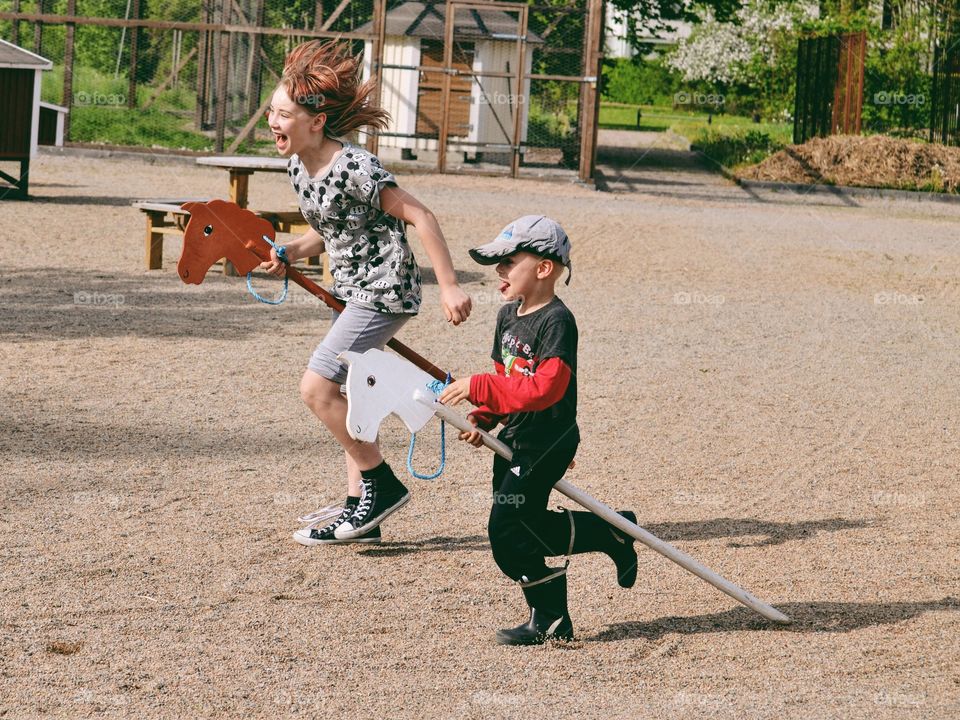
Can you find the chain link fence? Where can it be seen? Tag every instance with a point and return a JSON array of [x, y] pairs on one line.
[[496, 87]]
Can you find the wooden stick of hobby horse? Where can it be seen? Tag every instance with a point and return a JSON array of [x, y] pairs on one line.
[[334, 303], [621, 523]]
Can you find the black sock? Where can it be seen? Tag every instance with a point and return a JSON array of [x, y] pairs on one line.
[[382, 475]]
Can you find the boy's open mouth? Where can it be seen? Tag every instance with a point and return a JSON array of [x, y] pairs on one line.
[[504, 285]]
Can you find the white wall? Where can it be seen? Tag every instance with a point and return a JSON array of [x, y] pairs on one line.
[[500, 98], [398, 94], [616, 41]]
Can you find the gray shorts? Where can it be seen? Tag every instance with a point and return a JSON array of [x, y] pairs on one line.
[[358, 329]]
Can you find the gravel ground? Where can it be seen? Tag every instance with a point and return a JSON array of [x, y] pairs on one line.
[[770, 382]]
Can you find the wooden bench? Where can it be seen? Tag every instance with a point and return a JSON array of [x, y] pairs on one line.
[[167, 217]]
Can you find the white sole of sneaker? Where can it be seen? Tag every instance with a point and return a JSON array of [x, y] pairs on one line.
[[310, 542], [347, 531]]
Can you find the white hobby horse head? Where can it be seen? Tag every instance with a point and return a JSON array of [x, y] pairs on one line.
[[378, 384]]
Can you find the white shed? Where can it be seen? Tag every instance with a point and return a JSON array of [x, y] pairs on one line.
[[481, 111]]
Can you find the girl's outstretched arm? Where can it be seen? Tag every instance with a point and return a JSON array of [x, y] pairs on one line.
[[401, 204]]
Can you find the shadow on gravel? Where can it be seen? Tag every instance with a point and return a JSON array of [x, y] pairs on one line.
[[654, 157], [773, 533], [470, 543], [129, 433], [59, 304], [808, 617]]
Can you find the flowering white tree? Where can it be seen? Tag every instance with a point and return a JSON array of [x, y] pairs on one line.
[[741, 51]]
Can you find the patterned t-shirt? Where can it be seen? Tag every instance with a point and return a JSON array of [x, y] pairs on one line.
[[370, 258]]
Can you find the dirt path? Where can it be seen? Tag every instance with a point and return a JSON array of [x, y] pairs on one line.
[[770, 382], [658, 164]]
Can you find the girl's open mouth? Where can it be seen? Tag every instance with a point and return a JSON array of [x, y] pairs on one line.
[[281, 140]]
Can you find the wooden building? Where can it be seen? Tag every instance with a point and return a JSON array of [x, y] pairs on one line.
[[483, 95], [20, 121]]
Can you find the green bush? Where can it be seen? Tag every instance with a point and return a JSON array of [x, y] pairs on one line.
[[638, 82], [734, 147]]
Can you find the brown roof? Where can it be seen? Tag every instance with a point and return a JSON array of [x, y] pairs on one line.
[[13, 56], [427, 20]]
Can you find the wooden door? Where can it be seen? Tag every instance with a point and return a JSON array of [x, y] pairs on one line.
[[430, 93]]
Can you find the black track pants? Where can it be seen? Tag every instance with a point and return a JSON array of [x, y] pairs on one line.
[[522, 531]]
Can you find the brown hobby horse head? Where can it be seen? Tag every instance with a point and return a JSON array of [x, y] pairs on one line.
[[220, 229]]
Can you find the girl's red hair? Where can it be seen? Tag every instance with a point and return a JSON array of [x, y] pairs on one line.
[[324, 77]]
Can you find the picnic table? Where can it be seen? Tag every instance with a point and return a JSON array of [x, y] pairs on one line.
[[241, 167], [165, 217]]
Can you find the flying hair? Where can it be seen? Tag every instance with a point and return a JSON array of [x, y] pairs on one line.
[[324, 77]]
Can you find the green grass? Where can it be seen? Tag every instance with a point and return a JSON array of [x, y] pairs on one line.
[[145, 128], [624, 117], [732, 124], [734, 147]]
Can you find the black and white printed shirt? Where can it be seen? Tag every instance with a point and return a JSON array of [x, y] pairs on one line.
[[370, 258]]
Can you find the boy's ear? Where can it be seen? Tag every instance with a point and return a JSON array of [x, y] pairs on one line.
[[545, 268]]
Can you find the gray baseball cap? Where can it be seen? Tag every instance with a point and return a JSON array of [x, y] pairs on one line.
[[536, 234]]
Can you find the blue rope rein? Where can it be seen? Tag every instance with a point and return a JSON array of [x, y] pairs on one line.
[[436, 387], [282, 255]]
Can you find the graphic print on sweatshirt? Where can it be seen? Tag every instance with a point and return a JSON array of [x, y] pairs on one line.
[[370, 258], [510, 346]]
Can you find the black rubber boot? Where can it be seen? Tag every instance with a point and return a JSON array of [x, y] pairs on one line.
[[593, 534], [549, 619]]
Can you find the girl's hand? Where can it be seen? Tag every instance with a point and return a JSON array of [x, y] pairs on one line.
[[273, 266], [472, 437], [456, 392], [456, 304]]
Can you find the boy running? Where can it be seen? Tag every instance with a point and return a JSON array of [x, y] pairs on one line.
[[534, 394]]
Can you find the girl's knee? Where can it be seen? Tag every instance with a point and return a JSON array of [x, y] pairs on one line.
[[318, 393]]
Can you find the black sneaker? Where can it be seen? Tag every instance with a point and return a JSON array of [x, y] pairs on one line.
[[311, 535], [378, 501]]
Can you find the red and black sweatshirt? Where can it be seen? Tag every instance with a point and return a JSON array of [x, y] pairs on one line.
[[534, 390]]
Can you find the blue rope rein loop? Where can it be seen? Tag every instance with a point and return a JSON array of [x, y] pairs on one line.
[[282, 256], [436, 387]]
